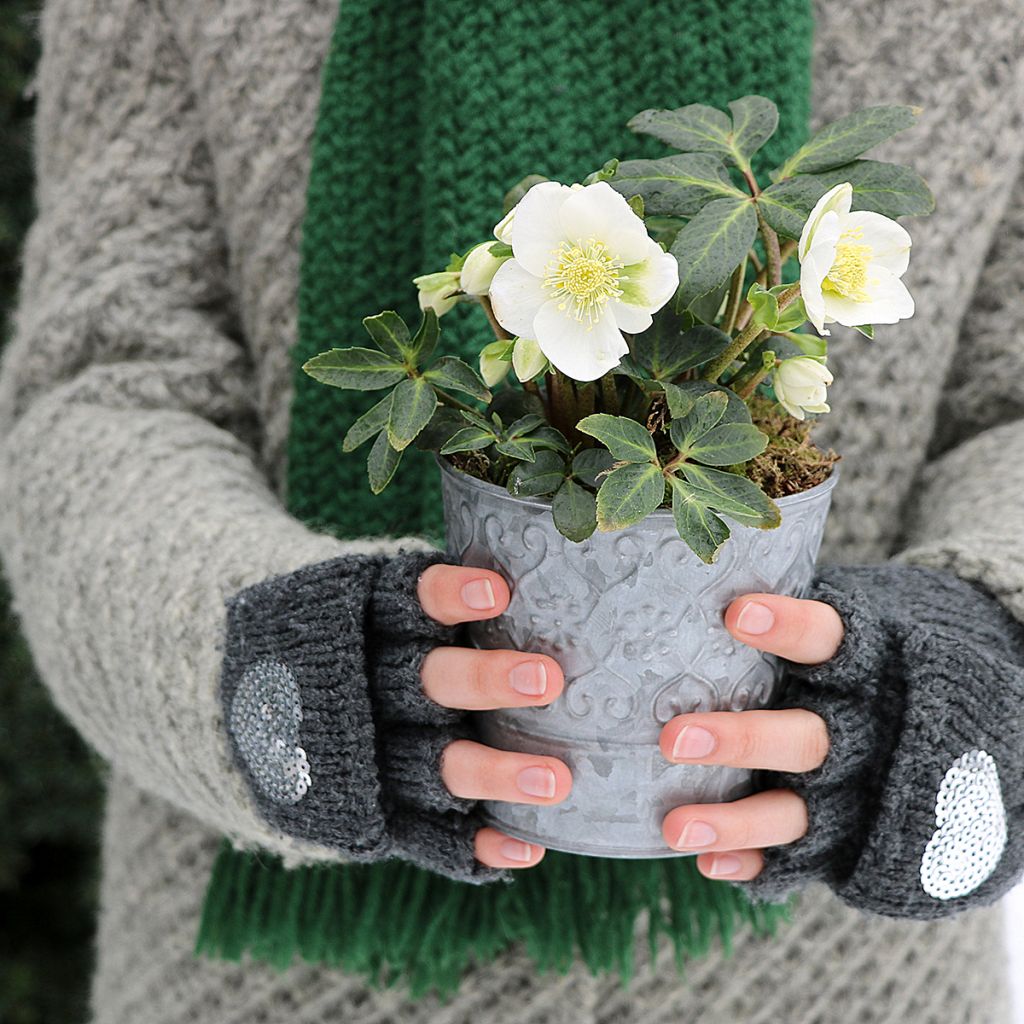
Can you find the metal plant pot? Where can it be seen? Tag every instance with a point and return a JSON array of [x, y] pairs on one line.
[[635, 620]]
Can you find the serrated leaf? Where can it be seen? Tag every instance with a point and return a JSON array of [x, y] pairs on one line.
[[412, 405], [525, 424], [692, 129], [362, 369], [382, 463], [787, 205], [371, 422], [574, 511], [549, 438], [712, 245], [626, 439], [451, 374], [843, 140], [696, 524], [679, 402], [754, 120], [468, 439], [729, 444], [889, 189], [390, 334], [669, 346], [706, 413], [590, 463], [629, 494], [732, 495], [519, 189], [736, 411], [425, 339], [539, 478], [675, 186], [518, 449]]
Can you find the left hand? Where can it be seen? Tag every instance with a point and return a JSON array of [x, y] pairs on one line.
[[789, 740]]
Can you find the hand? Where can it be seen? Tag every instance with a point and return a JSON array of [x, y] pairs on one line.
[[788, 740], [475, 680]]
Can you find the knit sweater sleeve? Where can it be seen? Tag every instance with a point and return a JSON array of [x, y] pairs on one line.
[[134, 510]]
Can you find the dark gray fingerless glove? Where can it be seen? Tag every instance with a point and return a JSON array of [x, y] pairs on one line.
[[918, 809], [328, 719]]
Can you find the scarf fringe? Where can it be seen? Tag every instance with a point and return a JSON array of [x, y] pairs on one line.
[[392, 922]]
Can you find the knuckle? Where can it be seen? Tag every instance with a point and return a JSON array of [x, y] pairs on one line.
[[746, 745]]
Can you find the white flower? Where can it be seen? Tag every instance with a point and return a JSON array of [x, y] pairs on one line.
[[494, 362], [583, 271], [437, 291], [851, 265], [479, 269], [800, 384], [503, 229], [527, 359]]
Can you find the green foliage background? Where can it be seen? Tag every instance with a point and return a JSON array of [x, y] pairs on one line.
[[49, 789]]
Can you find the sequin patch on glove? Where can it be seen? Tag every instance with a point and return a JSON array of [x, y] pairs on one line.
[[265, 717], [971, 834]]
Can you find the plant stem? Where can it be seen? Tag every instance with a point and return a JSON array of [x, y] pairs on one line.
[[750, 385], [732, 307], [499, 332], [740, 343], [584, 399], [771, 250], [445, 399], [531, 387], [748, 177], [610, 394], [563, 403]]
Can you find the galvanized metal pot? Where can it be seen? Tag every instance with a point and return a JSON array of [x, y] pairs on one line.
[[635, 620]]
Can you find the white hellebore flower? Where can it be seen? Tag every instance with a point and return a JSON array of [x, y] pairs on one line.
[[437, 291], [479, 269], [527, 359], [495, 360], [583, 270], [800, 384], [851, 265]]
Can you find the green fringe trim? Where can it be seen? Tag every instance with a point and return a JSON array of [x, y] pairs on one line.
[[395, 923]]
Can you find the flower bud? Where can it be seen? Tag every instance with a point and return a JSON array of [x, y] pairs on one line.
[[503, 229], [527, 359], [800, 385], [437, 291], [494, 362], [479, 269]]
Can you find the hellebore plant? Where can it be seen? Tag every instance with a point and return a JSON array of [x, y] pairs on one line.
[[654, 326]]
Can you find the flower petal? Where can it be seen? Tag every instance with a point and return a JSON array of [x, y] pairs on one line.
[[652, 282], [577, 348], [631, 319], [597, 211], [536, 230], [889, 241], [516, 296], [890, 302], [836, 200], [813, 268], [527, 359]]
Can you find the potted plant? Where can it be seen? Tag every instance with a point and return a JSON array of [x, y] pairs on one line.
[[634, 449]]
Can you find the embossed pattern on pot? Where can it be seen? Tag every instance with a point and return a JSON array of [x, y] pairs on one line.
[[635, 621]]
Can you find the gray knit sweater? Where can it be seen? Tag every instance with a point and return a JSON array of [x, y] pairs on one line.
[[143, 413]]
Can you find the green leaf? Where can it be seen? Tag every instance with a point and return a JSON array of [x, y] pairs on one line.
[[679, 402], [468, 439], [390, 334], [636, 204], [787, 205], [675, 186], [425, 340], [867, 330], [518, 449], [706, 413], [809, 345], [732, 495], [736, 410], [370, 423], [702, 530], [549, 438], [413, 404], [692, 129], [382, 463], [764, 304], [629, 494], [453, 374], [355, 369], [729, 444], [525, 425], [667, 348], [664, 229], [792, 317], [754, 120], [606, 173], [574, 511], [444, 424], [519, 189], [889, 189], [590, 463], [712, 245], [839, 142], [539, 478], [626, 439], [500, 250], [707, 308]]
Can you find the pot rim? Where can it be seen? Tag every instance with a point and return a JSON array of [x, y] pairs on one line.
[[814, 493]]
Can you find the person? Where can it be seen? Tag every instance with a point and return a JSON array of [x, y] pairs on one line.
[[144, 405]]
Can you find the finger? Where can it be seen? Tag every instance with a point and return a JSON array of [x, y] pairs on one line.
[[771, 818], [783, 739], [734, 865], [808, 632], [460, 593], [461, 677], [498, 850], [479, 772]]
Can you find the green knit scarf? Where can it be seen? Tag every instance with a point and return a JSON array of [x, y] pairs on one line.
[[430, 110]]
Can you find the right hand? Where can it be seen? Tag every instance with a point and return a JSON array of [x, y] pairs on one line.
[[474, 680]]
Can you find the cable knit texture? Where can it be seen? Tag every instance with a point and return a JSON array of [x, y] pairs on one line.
[[144, 409]]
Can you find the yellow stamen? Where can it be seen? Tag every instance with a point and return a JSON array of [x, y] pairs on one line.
[[849, 274], [584, 276]]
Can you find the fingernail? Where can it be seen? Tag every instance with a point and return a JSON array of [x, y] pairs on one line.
[[724, 864], [695, 835], [693, 741], [478, 595], [530, 678], [515, 850], [537, 781], [755, 619]]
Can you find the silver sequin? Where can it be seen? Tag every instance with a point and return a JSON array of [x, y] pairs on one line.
[[265, 717], [971, 834]]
